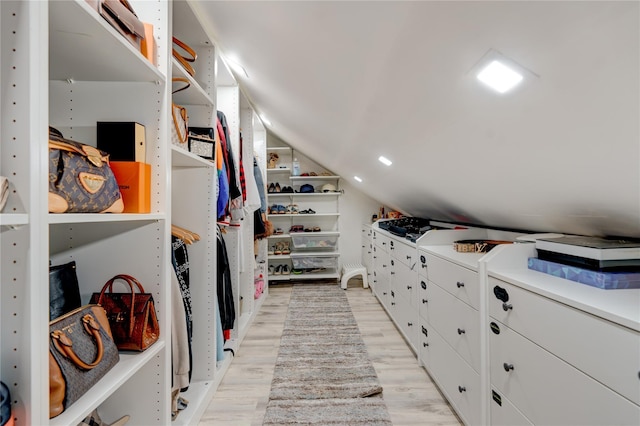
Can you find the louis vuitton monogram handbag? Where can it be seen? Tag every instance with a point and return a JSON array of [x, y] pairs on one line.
[[80, 178]]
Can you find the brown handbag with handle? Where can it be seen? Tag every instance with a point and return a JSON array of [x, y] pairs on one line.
[[132, 315], [81, 352]]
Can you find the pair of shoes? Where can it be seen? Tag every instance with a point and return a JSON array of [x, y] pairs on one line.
[[277, 209], [285, 269], [278, 270], [271, 270], [93, 419], [296, 271], [292, 209], [287, 190], [278, 231], [274, 187], [296, 228], [271, 250], [307, 211], [314, 229], [282, 247]]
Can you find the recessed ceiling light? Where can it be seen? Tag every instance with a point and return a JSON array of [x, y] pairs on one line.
[[264, 120], [384, 160], [499, 77], [357, 178]]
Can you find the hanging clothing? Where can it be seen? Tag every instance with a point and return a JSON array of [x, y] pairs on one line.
[[180, 261], [222, 186], [180, 363], [259, 181], [225, 286], [232, 172]]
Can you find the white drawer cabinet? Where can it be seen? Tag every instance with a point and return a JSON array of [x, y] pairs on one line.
[[456, 322], [549, 391], [455, 378], [404, 281], [604, 350], [403, 252], [461, 282], [504, 413]]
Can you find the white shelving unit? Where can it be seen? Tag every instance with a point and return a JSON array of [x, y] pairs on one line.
[[70, 79], [314, 254]]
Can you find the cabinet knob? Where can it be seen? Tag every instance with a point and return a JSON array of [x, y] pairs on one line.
[[408, 257], [424, 300], [384, 266], [462, 389], [410, 324], [384, 244], [423, 285], [460, 331], [409, 287], [393, 303], [424, 266], [392, 273], [507, 306], [424, 345], [375, 257], [384, 293], [424, 331], [459, 284], [507, 367]]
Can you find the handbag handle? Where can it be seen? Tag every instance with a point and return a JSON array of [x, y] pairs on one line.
[[130, 281], [183, 115], [183, 80], [64, 345], [184, 60]]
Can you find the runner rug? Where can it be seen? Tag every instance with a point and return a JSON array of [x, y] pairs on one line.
[[323, 374]]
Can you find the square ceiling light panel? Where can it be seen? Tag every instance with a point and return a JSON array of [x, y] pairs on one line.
[[499, 76]]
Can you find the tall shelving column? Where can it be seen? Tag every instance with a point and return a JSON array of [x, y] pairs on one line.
[[193, 206]]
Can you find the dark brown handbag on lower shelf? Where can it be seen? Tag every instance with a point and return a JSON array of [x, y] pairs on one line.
[[132, 315], [81, 352]]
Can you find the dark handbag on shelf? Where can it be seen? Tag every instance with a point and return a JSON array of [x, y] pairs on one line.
[[81, 352], [122, 17], [184, 60], [80, 179], [64, 292], [5, 405], [132, 315]]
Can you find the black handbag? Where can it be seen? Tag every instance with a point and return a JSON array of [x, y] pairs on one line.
[[64, 292], [5, 404]]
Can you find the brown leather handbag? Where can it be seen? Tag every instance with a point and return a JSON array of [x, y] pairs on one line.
[[81, 352], [122, 17], [132, 315]]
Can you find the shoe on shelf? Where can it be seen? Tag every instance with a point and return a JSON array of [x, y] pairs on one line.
[[316, 229], [285, 269], [271, 269], [277, 188], [296, 271], [285, 247], [271, 250], [292, 209], [272, 188], [287, 190], [278, 270], [273, 209], [278, 248], [278, 231], [281, 209]]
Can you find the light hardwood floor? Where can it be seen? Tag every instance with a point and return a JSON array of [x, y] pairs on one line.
[[410, 395]]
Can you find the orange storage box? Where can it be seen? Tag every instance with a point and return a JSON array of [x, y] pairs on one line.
[[134, 180]]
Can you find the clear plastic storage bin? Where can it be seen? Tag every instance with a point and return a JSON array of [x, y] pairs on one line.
[[314, 262], [308, 241]]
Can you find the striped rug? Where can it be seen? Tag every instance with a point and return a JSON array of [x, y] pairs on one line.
[[323, 374]]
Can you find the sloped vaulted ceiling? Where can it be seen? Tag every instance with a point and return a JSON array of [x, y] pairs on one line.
[[346, 82]]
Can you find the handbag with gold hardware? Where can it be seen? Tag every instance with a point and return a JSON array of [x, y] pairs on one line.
[[80, 179], [81, 352], [132, 315]]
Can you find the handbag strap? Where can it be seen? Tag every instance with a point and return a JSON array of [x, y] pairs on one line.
[[186, 84], [130, 281], [183, 115], [184, 60], [64, 345]]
